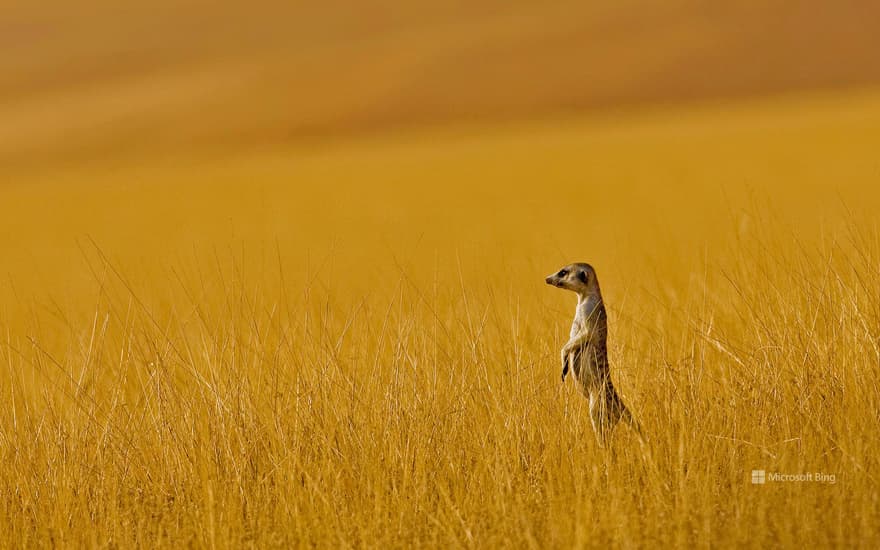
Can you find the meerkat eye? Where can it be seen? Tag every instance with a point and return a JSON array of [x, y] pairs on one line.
[[562, 272]]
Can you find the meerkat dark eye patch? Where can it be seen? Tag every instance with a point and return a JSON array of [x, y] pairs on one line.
[[582, 275], [562, 273]]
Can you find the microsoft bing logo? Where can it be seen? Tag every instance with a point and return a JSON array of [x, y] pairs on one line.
[[761, 477]]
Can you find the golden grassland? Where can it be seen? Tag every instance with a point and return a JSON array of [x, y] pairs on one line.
[[351, 344]]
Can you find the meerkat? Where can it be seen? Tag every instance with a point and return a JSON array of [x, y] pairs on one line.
[[585, 353]]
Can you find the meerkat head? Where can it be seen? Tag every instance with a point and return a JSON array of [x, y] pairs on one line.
[[579, 278]]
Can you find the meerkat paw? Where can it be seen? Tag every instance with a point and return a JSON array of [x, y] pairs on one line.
[[566, 362]]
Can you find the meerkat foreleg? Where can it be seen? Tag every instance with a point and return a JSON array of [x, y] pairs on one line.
[[577, 342], [570, 351]]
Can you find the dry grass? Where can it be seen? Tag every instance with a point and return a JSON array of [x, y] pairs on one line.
[[353, 346]]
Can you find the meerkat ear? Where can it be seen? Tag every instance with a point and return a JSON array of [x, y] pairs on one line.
[[582, 275]]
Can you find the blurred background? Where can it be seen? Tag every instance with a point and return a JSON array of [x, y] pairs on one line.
[[97, 79], [430, 131]]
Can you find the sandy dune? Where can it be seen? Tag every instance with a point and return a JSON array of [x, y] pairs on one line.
[[97, 78]]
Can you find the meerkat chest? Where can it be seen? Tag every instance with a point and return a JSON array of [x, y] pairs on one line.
[[585, 331], [591, 339]]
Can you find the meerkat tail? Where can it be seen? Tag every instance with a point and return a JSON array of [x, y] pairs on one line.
[[627, 417]]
